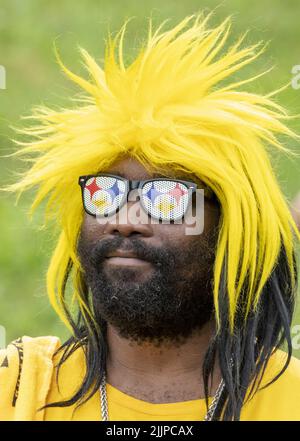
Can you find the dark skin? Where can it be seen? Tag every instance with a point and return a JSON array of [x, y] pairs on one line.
[[169, 372]]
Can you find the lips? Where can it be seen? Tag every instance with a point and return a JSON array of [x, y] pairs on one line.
[[123, 254], [125, 258]]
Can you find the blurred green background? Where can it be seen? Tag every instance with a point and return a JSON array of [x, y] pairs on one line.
[[27, 32]]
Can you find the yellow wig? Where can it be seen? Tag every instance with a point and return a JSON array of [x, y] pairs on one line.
[[169, 107]]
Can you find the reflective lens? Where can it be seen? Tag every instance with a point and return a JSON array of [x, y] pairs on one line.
[[161, 199], [102, 195], [166, 200]]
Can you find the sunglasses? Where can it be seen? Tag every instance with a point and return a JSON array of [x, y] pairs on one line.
[[161, 198]]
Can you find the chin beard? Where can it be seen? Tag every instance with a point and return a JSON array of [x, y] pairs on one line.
[[167, 306]]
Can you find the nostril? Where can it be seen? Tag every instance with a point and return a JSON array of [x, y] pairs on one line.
[[135, 234], [115, 232]]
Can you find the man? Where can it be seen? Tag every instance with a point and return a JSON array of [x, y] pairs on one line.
[[166, 324]]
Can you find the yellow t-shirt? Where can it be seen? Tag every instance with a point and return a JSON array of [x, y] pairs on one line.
[[27, 382]]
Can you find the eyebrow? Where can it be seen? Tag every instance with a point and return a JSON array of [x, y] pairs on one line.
[[159, 175], [182, 177], [154, 176]]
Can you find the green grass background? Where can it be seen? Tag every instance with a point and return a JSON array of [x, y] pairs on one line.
[[27, 32]]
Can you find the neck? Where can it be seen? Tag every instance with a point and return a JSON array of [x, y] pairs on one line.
[[165, 373]]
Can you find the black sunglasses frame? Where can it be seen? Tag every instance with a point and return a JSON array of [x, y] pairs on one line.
[[133, 185]]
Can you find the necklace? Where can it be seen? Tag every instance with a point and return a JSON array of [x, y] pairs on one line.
[[208, 416]]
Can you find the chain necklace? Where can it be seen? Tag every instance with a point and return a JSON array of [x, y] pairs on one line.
[[208, 416]]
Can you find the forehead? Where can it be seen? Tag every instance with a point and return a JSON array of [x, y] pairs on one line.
[[129, 168], [132, 169]]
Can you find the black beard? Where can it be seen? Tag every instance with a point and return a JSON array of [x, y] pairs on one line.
[[175, 300]]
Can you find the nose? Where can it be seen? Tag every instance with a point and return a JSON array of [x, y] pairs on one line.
[[122, 223]]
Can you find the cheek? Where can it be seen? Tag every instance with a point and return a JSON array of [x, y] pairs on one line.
[[185, 233], [211, 217], [202, 223], [188, 245], [91, 229]]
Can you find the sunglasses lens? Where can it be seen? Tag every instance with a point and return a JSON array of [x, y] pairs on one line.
[[102, 195], [166, 200]]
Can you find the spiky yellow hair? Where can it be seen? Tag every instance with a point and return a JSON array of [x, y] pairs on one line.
[[169, 107]]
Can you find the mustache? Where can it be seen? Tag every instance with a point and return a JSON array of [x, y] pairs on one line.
[[96, 253]]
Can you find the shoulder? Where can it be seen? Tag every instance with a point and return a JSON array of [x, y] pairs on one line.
[[279, 400], [26, 367], [72, 369], [290, 375]]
